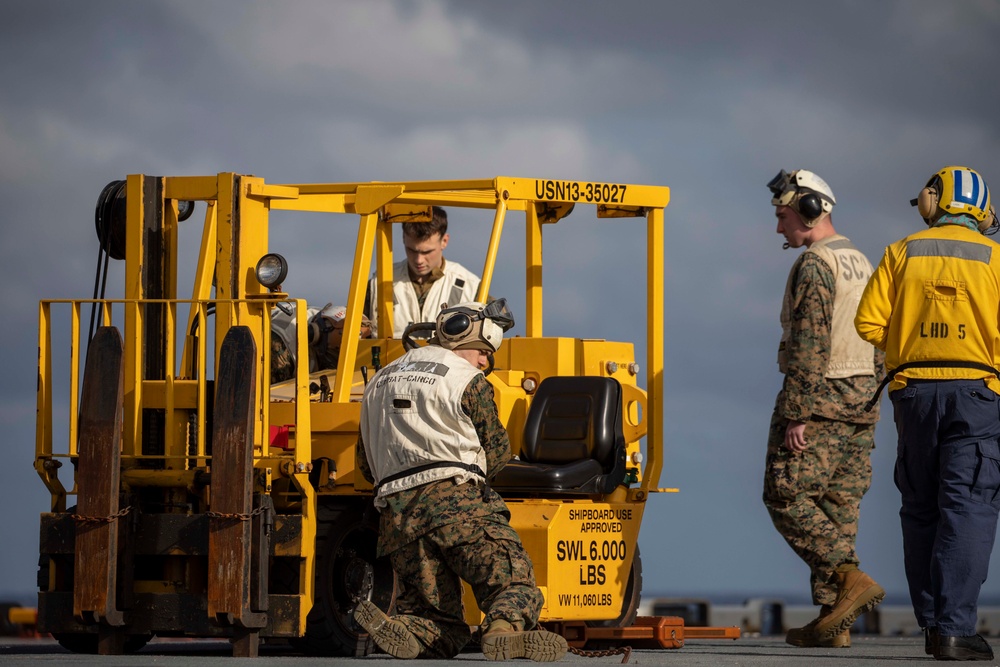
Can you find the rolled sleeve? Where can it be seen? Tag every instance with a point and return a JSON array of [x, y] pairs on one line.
[[477, 402], [808, 345]]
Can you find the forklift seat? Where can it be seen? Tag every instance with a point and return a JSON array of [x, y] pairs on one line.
[[573, 440]]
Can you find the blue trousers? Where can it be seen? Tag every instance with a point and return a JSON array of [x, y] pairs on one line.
[[948, 474]]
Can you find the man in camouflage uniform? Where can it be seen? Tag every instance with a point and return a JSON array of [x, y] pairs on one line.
[[282, 361], [325, 334], [818, 452], [430, 440]]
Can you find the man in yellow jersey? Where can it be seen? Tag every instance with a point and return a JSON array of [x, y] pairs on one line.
[[932, 305]]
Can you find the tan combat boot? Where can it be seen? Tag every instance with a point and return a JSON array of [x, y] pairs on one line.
[[502, 641], [806, 635], [856, 594], [391, 636]]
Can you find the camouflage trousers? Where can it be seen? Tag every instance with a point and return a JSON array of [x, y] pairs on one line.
[[430, 570], [814, 497], [282, 362]]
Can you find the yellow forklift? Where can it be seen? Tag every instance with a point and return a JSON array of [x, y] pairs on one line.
[[191, 498]]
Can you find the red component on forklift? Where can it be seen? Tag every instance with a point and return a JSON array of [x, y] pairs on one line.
[[279, 436]]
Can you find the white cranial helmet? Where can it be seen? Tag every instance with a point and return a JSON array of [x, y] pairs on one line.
[[805, 192], [326, 327], [474, 326]]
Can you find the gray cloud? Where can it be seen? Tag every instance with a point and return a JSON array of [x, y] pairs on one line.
[[709, 98]]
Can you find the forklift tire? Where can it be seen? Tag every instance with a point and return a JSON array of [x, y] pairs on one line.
[[347, 571], [630, 603]]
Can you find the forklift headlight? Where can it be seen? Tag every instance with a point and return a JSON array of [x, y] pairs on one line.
[[184, 210], [271, 270]]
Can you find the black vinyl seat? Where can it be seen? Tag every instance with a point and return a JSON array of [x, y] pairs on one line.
[[573, 440]]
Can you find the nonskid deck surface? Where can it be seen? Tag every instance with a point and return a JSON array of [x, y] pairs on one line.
[[746, 651]]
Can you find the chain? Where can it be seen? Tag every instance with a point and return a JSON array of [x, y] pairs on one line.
[[117, 515], [241, 517], [625, 651], [80, 518]]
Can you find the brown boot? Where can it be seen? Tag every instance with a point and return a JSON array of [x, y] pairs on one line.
[[502, 641], [805, 636], [856, 594], [391, 636]]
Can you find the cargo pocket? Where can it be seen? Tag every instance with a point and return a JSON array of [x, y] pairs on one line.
[[501, 531], [509, 551], [902, 398], [980, 407], [783, 478], [903, 407], [986, 484]]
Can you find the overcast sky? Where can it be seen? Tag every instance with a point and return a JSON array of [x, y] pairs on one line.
[[707, 97]]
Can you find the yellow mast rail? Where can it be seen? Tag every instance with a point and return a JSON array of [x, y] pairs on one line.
[[324, 203], [344, 203], [255, 189], [330, 196], [411, 186], [192, 188]]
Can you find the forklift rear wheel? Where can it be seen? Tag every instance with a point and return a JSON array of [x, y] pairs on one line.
[[347, 571], [630, 603]]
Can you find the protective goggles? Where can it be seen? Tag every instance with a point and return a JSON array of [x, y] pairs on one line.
[[783, 188], [498, 312]]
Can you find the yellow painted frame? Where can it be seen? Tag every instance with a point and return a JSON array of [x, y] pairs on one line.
[[235, 234]]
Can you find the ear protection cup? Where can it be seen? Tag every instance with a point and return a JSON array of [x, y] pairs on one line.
[[927, 202], [473, 325], [810, 206], [805, 192], [315, 333], [991, 222], [456, 325], [324, 332]]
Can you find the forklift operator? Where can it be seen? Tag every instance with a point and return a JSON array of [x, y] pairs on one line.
[[424, 283], [326, 332]]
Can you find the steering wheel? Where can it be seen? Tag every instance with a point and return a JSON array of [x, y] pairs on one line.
[[410, 344]]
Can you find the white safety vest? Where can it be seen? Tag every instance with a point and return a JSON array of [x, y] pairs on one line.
[[850, 355], [412, 420], [457, 285]]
